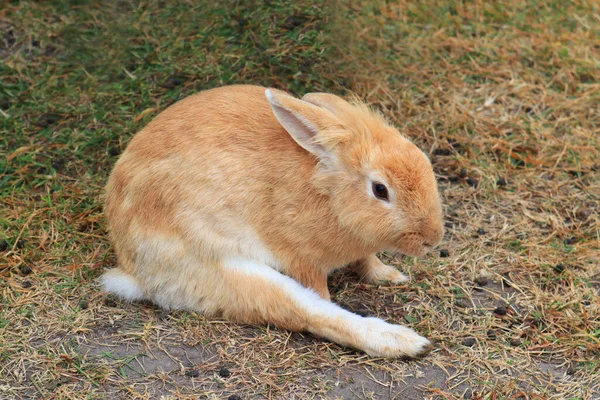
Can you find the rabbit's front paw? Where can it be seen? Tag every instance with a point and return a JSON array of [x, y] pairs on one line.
[[387, 274], [374, 271]]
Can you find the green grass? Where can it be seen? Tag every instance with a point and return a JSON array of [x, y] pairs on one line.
[[80, 78], [79, 74]]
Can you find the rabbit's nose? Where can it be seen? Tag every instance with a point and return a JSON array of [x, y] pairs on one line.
[[436, 235]]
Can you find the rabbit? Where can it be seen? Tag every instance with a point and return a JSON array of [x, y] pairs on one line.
[[239, 201]]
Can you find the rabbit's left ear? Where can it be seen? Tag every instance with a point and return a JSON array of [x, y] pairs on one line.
[[331, 102], [303, 121]]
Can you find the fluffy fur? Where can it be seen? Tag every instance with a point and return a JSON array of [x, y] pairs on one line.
[[240, 201]]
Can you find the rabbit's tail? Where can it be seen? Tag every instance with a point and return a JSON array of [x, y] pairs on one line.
[[122, 284]]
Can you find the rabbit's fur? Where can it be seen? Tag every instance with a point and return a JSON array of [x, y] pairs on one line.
[[239, 201]]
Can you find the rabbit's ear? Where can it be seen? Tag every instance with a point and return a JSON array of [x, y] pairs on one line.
[[303, 121], [331, 102]]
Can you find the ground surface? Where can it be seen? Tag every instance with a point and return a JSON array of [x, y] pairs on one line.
[[504, 96]]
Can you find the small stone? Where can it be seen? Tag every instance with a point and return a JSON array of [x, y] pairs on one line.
[[472, 182], [571, 240], [583, 214], [110, 303], [462, 173], [84, 226], [576, 174], [461, 304], [224, 372], [242, 22], [174, 81], [469, 342], [26, 284], [500, 310], [58, 164], [571, 370], [444, 253], [481, 281], [83, 305], [515, 342], [559, 268], [455, 144], [192, 373], [442, 152], [294, 21], [25, 269], [501, 182], [47, 120]]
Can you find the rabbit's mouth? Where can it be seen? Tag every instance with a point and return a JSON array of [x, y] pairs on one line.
[[412, 245], [414, 252]]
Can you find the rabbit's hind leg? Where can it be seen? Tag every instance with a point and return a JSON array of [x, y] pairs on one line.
[[255, 293], [312, 278]]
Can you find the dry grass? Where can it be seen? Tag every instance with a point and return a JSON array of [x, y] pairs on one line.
[[504, 95], [503, 92]]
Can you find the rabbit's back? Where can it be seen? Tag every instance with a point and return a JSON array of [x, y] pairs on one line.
[[231, 127], [218, 170]]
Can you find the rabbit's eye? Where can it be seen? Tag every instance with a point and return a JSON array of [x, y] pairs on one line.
[[380, 191]]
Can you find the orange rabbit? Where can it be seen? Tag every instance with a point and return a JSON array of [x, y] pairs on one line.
[[239, 201]]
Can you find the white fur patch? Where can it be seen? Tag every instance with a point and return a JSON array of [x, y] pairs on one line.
[[305, 298], [388, 340], [220, 235], [372, 335], [120, 283]]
